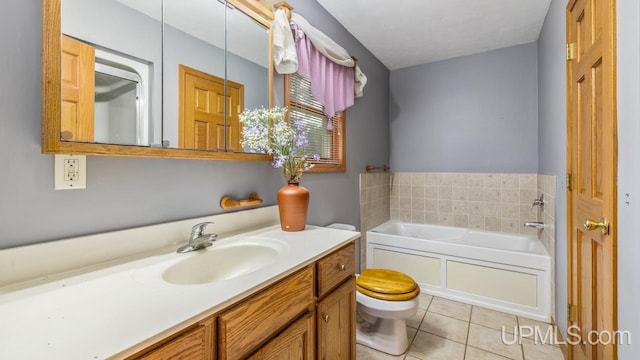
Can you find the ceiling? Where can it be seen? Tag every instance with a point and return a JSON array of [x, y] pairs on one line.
[[413, 32]]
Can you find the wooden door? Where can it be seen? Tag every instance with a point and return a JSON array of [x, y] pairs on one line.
[[295, 342], [236, 105], [201, 120], [78, 90], [336, 319], [591, 161], [202, 123]]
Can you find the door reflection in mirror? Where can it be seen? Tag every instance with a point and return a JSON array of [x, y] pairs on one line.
[[111, 54], [121, 106]]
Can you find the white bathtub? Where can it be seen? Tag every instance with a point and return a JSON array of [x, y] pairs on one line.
[[505, 272]]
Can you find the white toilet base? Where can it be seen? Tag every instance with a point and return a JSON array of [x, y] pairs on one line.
[[386, 335]]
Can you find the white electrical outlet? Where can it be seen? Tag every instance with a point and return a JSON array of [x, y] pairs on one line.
[[70, 172]]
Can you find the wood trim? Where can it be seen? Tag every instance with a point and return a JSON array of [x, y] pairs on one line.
[[151, 152], [52, 97], [51, 76], [254, 9], [570, 38]]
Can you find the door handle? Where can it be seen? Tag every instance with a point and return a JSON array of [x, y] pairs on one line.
[[603, 225], [325, 317]]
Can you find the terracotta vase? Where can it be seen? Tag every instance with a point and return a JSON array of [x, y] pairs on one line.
[[293, 201]]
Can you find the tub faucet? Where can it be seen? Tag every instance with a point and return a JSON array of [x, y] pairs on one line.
[[534, 224], [198, 240]]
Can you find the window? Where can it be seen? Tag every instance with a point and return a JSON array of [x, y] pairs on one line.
[[330, 144]]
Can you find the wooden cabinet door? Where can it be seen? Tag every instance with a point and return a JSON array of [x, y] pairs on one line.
[[195, 344], [295, 342], [244, 327], [336, 320]]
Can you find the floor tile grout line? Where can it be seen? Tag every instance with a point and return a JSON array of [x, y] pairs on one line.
[[490, 352], [520, 337], [466, 342], [442, 337], [451, 317]]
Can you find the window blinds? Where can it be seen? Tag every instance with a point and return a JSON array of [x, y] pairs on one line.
[[304, 108]]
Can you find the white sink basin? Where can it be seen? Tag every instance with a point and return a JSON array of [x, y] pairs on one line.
[[225, 261]]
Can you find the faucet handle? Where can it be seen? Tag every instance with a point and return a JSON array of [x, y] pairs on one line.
[[199, 228], [538, 202]]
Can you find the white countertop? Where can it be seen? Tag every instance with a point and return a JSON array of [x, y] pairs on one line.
[[118, 310]]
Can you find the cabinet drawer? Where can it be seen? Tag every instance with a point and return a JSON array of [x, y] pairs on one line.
[[334, 268], [245, 326]]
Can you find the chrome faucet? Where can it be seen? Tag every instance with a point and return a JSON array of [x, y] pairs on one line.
[[539, 202], [198, 240], [534, 224]]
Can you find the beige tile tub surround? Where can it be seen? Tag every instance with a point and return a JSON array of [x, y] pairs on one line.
[[493, 202], [374, 206]]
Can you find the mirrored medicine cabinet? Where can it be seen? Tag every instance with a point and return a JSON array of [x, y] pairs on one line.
[[153, 78]]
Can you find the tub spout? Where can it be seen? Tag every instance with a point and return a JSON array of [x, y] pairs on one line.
[[534, 224]]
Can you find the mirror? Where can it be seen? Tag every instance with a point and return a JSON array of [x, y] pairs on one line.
[[167, 78]]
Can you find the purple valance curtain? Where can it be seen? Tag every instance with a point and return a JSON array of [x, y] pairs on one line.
[[336, 79], [332, 84]]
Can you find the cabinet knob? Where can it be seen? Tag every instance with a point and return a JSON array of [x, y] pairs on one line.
[[325, 317], [342, 267]]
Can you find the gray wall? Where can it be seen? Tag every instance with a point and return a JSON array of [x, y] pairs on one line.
[[552, 136], [129, 192], [476, 113], [337, 194], [628, 17]]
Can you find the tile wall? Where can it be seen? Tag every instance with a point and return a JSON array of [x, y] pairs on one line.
[[375, 192], [493, 202]]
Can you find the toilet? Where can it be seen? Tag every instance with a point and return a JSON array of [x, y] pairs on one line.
[[385, 300]]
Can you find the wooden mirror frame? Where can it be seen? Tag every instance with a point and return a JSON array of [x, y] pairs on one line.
[[52, 97]]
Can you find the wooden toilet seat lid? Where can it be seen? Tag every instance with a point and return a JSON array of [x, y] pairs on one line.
[[387, 284]]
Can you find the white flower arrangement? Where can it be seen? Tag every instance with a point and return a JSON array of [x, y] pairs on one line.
[[287, 142]]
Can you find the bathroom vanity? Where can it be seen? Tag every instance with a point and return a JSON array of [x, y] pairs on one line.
[[309, 312], [299, 302]]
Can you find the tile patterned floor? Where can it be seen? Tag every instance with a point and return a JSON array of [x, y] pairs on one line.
[[451, 330]]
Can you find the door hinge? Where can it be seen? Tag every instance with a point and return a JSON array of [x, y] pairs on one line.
[[569, 182], [572, 313], [571, 51]]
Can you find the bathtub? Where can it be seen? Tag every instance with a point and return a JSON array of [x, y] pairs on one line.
[[504, 272]]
